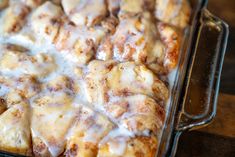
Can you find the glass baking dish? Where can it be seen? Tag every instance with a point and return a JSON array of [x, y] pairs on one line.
[[196, 87], [194, 94]]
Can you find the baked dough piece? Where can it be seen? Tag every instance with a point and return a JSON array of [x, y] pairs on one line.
[[78, 42], [140, 146], [40, 65], [135, 40], [52, 116], [175, 12], [50, 122], [129, 78], [45, 21], [138, 113], [15, 129], [49, 126], [131, 7], [13, 18], [134, 35], [96, 89], [171, 41], [31, 3], [88, 130], [85, 12], [122, 79], [62, 83], [132, 41], [17, 88], [116, 89]]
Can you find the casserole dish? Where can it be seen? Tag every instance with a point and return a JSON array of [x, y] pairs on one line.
[[194, 96], [179, 116]]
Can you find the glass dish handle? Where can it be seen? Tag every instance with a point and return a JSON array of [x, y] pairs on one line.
[[201, 86]]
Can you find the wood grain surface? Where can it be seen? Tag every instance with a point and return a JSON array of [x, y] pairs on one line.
[[218, 138], [197, 144], [224, 122]]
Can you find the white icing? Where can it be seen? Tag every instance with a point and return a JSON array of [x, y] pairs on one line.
[[117, 148], [119, 138], [65, 63]]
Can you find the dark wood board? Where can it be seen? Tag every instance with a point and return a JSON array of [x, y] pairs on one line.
[[202, 144]]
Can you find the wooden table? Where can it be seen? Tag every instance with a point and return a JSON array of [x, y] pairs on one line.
[[218, 138]]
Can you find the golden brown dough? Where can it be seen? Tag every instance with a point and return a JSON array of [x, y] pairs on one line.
[[13, 18], [95, 83], [49, 125], [132, 41], [139, 146], [32, 3], [79, 42], [39, 148], [45, 21], [89, 12], [128, 78], [25, 86], [137, 113], [171, 41], [175, 12], [122, 80], [85, 135], [40, 65], [15, 130]]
